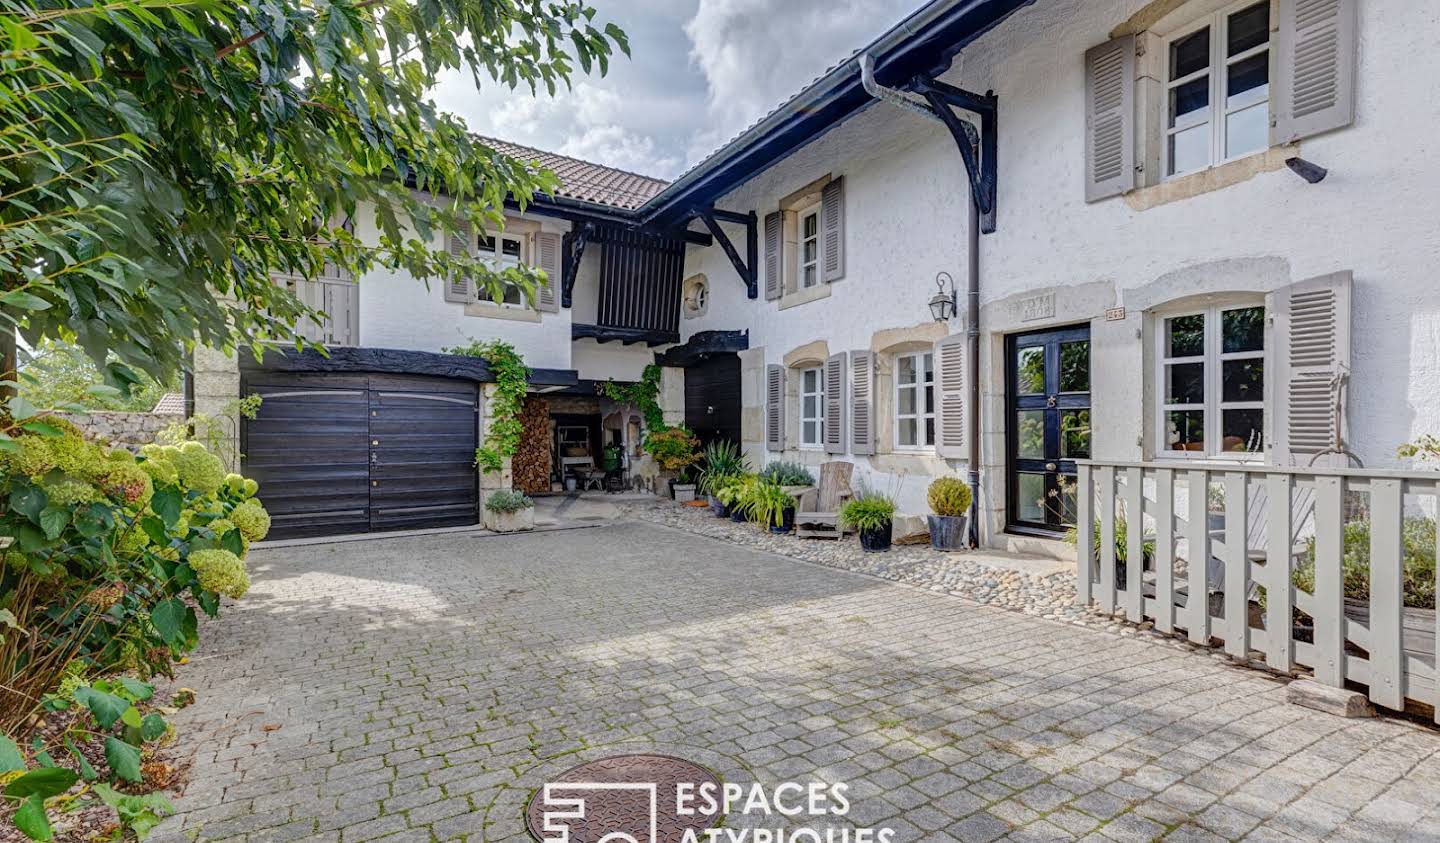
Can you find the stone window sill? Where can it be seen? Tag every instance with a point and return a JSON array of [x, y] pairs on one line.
[[490, 310], [799, 297], [1215, 178]]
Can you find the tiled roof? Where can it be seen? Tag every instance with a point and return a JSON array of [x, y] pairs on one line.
[[584, 181], [171, 403]]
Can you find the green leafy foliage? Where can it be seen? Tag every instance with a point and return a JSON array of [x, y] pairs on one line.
[[674, 448], [722, 461], [161, 160], [788, 474], [59, 375], [1418, 565], [512, 381], [949, 496], [644, 395], [868, 511], [765, 503], [507, 501]]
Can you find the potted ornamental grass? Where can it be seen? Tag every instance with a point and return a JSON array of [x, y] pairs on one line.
[[723, 462], [792, 476], [771, 506], [735, 494], [677, 451], [950, 499], [872, 515], [509, 512]]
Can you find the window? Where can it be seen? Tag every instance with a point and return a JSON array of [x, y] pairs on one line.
[[812, 407], [809, 254], [1218, 81], [1212, 382], [504, 251], [915, 401]]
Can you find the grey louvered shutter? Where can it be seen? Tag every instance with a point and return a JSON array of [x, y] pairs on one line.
[[460, 289], [862, 402], [774, 283], [832, 228], [1312, 366], [547, 258], [1110, 119], [834, 436], [950, 378], [1315, 64], [775, 407]]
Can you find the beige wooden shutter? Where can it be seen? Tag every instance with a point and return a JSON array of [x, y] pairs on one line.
[[1315, 64], [862, 402], [1311, 364], [1110, 119], [832, 228], [775, 408], [834, 436], [774, 281], [950, 378], [461, 288], [547, 258]]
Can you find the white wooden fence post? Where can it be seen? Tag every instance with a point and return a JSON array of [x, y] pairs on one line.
[[1329, 603], [1107, 539], [1387, 596], [1165, 550], [1237, 566], [1134, 545], [1197, 602], [1085, 533], [1279, 592]]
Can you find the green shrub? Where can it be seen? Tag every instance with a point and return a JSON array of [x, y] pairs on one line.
[[507, 502], [765, 503], [675, 449], [1122, 542], [788, 474], [723, 460], [1418, 548], [868, 511], [732, 490], [949, 496]]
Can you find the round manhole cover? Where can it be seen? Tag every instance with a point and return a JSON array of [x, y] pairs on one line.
[[623, 799]]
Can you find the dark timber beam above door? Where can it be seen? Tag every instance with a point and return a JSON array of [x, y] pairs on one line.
[[748, 269]]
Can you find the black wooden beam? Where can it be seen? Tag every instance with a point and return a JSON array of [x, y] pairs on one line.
[[626, 336], [576, 251], [703, 345], [749, 274], [980, 166], [345, 359]]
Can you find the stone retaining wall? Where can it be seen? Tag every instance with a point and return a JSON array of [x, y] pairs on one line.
[[128, 429]]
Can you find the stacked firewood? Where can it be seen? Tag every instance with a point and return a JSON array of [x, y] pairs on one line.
[[531, 465]]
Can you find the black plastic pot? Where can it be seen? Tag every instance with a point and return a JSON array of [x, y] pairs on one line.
[[720, 509], [876, 541], [737, 516], [947, 532], [787, 521]]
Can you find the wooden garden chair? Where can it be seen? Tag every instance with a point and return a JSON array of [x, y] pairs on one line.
[[817, 514]]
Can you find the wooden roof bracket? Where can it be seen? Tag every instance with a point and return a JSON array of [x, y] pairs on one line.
[[748, 269], [575, 243], [977, 149]]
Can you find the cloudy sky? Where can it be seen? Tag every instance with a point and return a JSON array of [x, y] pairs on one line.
[[701, 71]]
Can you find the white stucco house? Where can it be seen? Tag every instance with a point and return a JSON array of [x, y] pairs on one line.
[[1187, 230]]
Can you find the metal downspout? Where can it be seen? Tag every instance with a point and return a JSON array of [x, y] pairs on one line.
[[902, 99]]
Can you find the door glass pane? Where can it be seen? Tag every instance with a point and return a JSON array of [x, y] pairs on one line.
[[907, 431], [1244, 380], [1185, 430], [1030, 498], [1030, 370], [1190, 149], [1075, 366], [1243, 329], [1190, 54], [1247, 28], [1068, 505], [1247, 131], [1241, 430], [1030, 434], [1185, 383], [1186, 335], [1075, 434]]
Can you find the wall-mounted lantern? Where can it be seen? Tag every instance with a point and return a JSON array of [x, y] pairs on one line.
[[942, 304]]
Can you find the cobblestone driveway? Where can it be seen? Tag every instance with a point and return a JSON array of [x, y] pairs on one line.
[[422, 687]]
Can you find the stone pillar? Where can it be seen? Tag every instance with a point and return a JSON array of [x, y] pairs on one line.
[[672, 395], [752, 405], [491, 481], [217, 395]]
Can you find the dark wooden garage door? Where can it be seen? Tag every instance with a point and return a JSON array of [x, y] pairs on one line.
[[356, 453]]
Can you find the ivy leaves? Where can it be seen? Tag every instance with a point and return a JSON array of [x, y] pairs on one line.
[[502, 437]]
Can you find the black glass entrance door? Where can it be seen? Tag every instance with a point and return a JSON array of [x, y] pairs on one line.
[[1047, 426]]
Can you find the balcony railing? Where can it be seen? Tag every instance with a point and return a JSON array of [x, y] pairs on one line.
[[1329, 569]]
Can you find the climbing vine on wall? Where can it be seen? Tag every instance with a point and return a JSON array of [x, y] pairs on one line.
[[642, 395], [502, 438]]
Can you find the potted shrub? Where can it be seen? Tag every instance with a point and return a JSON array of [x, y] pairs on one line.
[[950, 499], [734, 494], [509, 512], [872, 515], [723, 463], [676, 450], [794, 477], [773, 507]]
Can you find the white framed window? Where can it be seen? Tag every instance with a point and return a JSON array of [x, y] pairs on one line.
[[504, 251], [1212, 382], [812, 407], [915, 401], [810, 246], [1218, 88]]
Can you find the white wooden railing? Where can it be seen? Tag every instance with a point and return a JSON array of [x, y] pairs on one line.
[[1270, 520]]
